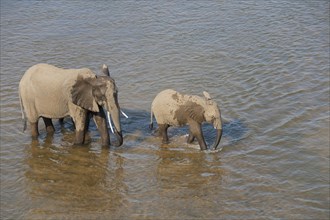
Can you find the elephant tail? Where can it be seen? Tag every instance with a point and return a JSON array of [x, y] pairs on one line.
[[151, 125], [22, 111]]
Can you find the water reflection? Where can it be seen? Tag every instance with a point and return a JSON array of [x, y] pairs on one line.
[[188, 177], [76, 178], [179, 168], [65, 179]]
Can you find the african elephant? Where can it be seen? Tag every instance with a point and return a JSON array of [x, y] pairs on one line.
[[171, 108], [50, 92]]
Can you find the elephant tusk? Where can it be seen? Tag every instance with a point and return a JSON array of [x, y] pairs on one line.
[[109, 120], [124, 114]]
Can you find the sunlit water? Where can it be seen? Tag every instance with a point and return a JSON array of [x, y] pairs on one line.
[[266, 63]]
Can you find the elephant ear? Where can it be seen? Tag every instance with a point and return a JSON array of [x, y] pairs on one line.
[[195, 111], [207, 95], [105, 70], [208, 98], [82, 94]]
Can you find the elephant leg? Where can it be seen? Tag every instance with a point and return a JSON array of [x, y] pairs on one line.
[[191, 138], [79, 138], [80, 122], [34, 130], [99, 119], [88, 117], [49, 125], [87, 138], [196, 131], [73, 124], [163, 132], [61, 121]]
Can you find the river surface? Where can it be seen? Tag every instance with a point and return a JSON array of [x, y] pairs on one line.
[[266, 64]]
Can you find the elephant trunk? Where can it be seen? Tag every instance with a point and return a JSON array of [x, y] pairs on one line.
[[115, 116], [217, 125], [119, 136], [218, 138]]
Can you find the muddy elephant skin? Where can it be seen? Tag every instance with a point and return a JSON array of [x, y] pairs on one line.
[[172, 108]]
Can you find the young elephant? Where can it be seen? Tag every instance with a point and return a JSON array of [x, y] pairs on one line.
[[50, 92], [174, 109]]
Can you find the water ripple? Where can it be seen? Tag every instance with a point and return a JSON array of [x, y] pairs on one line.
[[265, 64]]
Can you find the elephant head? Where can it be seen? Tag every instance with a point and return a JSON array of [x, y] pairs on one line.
[[212, 115], [206, 110], [91, 93]]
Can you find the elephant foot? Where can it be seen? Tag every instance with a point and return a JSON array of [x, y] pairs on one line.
[[190, 139], [79, 139], [34, 130], [165, 141], [50, 129], [202, 145], [105, 143], [163, 132], [49, 125]]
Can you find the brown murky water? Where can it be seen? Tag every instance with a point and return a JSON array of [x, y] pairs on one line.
[[266, 63]]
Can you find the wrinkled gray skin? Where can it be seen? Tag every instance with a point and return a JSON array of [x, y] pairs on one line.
[[171, 108], [54, 93]]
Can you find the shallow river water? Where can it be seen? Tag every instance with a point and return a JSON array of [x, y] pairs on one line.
[[266, 63]]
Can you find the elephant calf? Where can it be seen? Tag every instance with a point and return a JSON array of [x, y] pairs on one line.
[[171, 108], [50, 92]]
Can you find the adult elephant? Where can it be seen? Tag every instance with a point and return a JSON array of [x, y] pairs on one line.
[[172, 108], [50, 92]]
